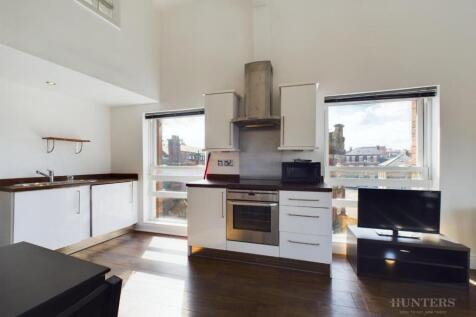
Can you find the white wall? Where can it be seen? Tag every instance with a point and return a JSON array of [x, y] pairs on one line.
[[196, 56], [127, 145], [346, 46], [66, 33], [28, 114], [351, 46], [203, 48]]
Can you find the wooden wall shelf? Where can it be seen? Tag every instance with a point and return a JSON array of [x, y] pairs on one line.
[[50, 143]]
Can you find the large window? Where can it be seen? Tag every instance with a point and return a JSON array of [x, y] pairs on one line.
[[375, 143], [176, 157]]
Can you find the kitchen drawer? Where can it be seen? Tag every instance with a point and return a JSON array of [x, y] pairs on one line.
[[306, 247], [305, 199], [305, 220]]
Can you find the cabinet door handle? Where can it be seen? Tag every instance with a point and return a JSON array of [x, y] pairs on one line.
[[298, 215], [79, 202], [222, 202], [230, 132], [305, 243], [303, 199], [282, 130], [132, 192]]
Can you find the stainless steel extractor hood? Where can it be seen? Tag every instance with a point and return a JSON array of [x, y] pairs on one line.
[[258, 95]]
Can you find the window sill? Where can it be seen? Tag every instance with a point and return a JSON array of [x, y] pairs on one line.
[[162, 227], [167, 223]]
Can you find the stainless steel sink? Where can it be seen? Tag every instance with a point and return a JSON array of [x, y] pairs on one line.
[[32, 184], [42, 184]]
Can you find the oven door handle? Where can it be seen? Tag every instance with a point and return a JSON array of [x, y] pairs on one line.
[[304, 199], [305, 216], [244, 203]]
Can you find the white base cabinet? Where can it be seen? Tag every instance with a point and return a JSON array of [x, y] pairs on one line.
[[60, 217], [207, 217], [114, 207], [305, 247], [52, 218], [305, 220], [305, 226]]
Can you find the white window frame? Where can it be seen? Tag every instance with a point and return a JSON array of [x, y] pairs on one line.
[[154, 174], [424, 141], [424, 158], [114, 21]]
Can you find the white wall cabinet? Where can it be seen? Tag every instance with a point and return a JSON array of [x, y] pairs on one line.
[[207, 217], [220, 133], [298, 117], [114, 207], [52, 218]]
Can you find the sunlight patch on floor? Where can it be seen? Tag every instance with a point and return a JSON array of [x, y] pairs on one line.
[[165, 257], [166, 243], [152, 295]]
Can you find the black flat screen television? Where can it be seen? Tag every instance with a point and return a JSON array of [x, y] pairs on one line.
[[395, 209]]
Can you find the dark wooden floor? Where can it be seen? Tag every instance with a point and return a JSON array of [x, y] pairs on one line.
[[160, 280]]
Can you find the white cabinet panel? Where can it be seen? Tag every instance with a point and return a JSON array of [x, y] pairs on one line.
[[85, 208], [305, 226], [305, 220], [298, 117], [114, 206], [206, 215], [305, 199], [304, 247], [52, 218], [253, 248], [220, 133]]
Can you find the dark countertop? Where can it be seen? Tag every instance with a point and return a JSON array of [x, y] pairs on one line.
[[32, 277], [12, 184], [259, 184]]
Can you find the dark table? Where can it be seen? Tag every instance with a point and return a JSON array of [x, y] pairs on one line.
[[35, 281]]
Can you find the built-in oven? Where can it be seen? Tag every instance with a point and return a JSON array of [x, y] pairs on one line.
[[252, 216]]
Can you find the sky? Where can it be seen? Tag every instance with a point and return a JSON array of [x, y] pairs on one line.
[[386, 123], [190, 129]]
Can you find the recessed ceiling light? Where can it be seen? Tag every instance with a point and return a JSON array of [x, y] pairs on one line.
[[50, 83]]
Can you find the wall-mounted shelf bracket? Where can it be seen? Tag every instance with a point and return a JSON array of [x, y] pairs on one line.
[[50, 143], [79, 147]]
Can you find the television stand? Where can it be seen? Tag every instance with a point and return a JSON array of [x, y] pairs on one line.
[[396, 234], [432, 258]]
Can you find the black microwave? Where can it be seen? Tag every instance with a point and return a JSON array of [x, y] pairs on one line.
[[301, 172]]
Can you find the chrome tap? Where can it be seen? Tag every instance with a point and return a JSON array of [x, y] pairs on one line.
[[50, 175]]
